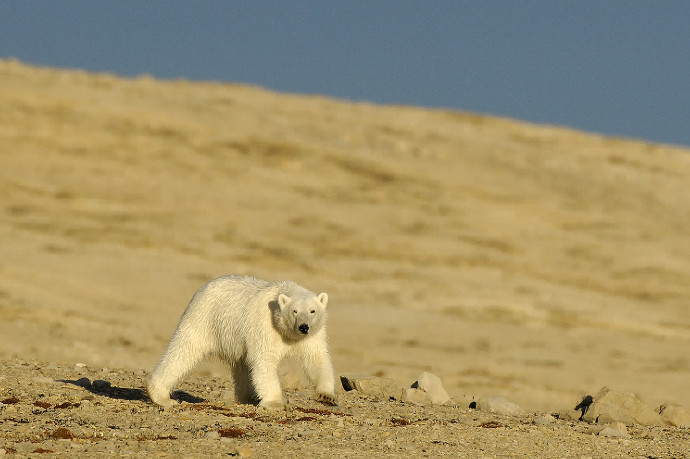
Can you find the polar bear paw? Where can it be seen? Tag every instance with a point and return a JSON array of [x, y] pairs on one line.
[[161, 397], [166, 403], [273, 405], [327, 399]]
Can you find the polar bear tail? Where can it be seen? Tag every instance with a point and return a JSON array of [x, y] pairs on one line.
[[185, 350]]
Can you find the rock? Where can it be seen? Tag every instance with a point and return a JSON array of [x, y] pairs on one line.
[[24, 447], [431, 384], [619, 426], [415, 396], [371, 385], [569, 415], [614, 406], [674, 415], [212, 435], [611, 432], [243, 451], [544, 420], [499, 405]]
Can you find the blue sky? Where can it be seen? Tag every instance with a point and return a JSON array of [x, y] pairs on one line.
[[615, 67]]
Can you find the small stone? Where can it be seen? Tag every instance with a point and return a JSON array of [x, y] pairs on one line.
[[431, 384], [569, 414], [499, 405], [594, 429], [619, 426], [212, 435], [674, 415], [370, 385], [24, 447], [62, 433], [607, 418], [80, 365], [544, 420], [611, 432], [415, 397], [243, 451]]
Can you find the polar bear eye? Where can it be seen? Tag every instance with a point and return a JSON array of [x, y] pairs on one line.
[[294, 311], [313, 311]]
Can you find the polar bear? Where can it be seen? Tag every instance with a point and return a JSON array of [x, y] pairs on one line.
[[252, 324]]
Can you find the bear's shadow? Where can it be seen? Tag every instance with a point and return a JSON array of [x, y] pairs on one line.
[[105, 389]]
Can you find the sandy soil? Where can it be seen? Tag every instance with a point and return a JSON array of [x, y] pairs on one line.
[[530, 262]]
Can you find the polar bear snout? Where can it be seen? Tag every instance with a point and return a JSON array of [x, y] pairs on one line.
[[304, 328]]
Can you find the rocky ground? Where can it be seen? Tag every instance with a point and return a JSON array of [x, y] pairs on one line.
[[79, 411]]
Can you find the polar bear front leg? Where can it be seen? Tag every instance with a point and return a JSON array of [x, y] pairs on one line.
[[264, 375], [319, 369]]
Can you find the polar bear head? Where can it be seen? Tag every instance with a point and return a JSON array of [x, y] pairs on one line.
[[301, 314]]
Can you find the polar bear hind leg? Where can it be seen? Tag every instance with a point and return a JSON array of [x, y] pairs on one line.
[[241, 377], [183, 354]]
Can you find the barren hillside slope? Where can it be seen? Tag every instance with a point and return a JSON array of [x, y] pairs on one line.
[[532, 262]]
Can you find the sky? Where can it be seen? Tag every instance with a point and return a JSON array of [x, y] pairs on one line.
[[615, 67]]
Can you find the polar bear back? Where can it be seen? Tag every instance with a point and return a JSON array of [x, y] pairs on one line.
[[235, 310]]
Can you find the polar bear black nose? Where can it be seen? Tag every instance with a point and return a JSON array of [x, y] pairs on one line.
[[304, 328]]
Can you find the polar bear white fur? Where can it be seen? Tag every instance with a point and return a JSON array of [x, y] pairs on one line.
[[252, 324]]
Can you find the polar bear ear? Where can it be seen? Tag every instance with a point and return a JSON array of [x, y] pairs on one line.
[[283, 300], [323, 299]]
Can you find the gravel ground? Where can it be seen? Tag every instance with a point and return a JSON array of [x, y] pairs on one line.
[[77, 411]]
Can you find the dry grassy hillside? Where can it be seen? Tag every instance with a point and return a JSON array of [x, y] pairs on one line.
[[527, 261]]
